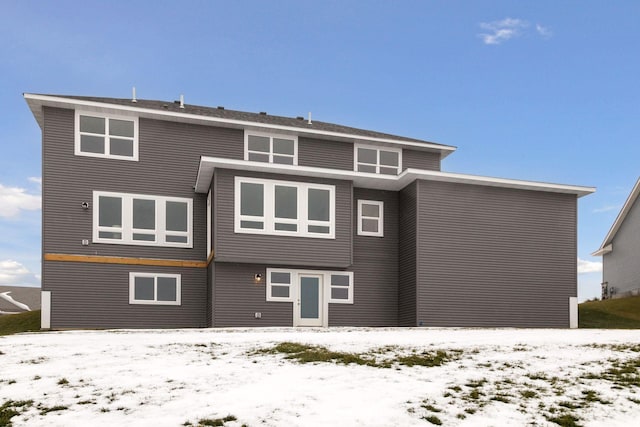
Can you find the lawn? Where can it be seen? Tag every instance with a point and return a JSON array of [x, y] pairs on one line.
[[21, 322], [620, 313]]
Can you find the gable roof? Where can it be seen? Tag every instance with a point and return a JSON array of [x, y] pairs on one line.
[[229, 118], [606, 246]]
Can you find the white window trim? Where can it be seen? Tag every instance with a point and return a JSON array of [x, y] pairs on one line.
[[271, 136], [380, 219], [127, 229], [378, 149], [107, 117], [269, 219], [132, 283], [209, 223], [293, 286]]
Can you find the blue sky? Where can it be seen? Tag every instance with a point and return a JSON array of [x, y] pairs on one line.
[[540, 90]]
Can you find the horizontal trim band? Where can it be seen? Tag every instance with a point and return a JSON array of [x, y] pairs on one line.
[[125, 260]]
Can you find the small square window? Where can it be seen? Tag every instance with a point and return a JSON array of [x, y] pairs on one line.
[[370, 218], [271, 149], [106, 136], [386, 161]]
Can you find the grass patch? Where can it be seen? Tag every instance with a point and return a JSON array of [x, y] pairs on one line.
[[44, 410], [429, 359], [9, 409], [620, 313], [433, 420], [219, 422], [565, 420], [22, 322]]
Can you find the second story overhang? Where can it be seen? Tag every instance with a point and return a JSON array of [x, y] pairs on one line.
[[375, 181]]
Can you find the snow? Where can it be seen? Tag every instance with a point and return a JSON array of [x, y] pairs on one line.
[[169, 377], [5, 296]]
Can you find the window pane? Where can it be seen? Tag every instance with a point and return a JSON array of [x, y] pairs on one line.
[[167, 289], [144, 214], [370, 210], [280, 291], [251, 199], [177, 216], [283, 160], [144, 237], [309, 297], [258, 143], [251, 224], [109, 235], [318, 229], [340, 293], [285, 227], [92, 144], [121, 147], [283, 146], [254, 157], [143, 288], [121, 128], [286, 202], [281, 277], [318, 205], [366, 168], [388, 171], [176, 239], [366, 155], [110, 211], [91, 124], [339, 280], [389, 158], [370, 225]]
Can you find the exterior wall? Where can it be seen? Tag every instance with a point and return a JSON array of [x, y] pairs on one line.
[[266, 249], [491, 256], [375, 270], [325, 154], [407, 256], [85, 295], [420, 160], [621, 267]]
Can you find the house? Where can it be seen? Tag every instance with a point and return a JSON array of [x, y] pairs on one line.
[[162, 214], [620, 251]]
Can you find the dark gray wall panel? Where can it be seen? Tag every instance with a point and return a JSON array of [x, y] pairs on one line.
[[420, 160], [491, 256], [85, 295], [375, 267], [265, 249], [407, 256], [621, 267], [237, 298], [325, 154]]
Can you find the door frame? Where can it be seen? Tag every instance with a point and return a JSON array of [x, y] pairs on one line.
[[323, 302]]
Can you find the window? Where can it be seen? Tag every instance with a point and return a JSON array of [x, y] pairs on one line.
[[281, 285], [271, 149], [110, 137], [370, 159], [370, 218], [151, 288], [284, 208], [136, 219]]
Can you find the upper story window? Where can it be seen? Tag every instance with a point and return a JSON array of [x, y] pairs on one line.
[[264, 206], [106, 136], [372, 159], [270, 148], [370, 218], [135, 219]]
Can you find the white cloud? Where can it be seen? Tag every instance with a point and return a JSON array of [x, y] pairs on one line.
[[585, 266], [15, 199], [508, 28], [36, 179], [14, 273], [607, 208], [543, 31]]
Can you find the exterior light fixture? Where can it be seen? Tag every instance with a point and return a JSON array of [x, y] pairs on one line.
[[85, 205], [257, 278]]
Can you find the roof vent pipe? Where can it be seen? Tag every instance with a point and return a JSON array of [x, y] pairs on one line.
[[309, 121], [182, 101], [133, 99]]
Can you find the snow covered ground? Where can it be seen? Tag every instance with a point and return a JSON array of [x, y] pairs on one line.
[[490, 377]]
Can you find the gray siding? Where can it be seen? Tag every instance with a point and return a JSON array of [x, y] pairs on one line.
[[420, 160], [325, 154], [492, 256], [87, 295], [375, 270], [407, 256], [265, 249], [621, 267]]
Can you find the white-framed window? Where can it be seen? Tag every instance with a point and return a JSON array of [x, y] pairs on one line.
[[108, 136], [264, 206], [137, 219], [280, 149], [282, 285], [382, 160], [370, 218], [154, 288]]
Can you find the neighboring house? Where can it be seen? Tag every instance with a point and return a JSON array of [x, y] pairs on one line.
[[620, 251], [160, 214], [18, 299]]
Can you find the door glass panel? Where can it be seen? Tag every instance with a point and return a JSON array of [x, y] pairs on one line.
[[318, 205], [110, 214], [144, 214], [251, 199], [309, 297]]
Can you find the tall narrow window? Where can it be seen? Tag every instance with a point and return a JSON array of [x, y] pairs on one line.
[[385, 161], [271, 149], [106, 136], [370, 218]]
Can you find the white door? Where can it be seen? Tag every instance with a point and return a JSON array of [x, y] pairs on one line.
[[308, 309]]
